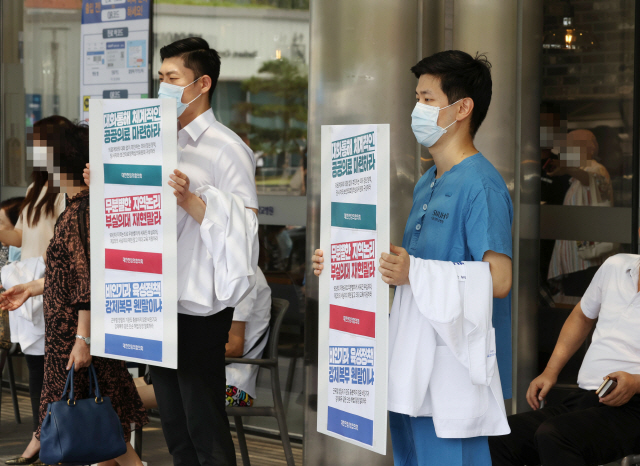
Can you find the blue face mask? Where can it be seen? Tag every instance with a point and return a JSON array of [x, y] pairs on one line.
[[424, 123], [171, 91]]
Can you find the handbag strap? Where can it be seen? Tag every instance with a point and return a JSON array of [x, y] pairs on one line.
[[94, 389], [93, 382], [68, 385]]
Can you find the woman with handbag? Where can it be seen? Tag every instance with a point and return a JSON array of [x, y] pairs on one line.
[[66, 288], [33, 232]]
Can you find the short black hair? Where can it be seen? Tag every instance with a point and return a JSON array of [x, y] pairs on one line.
[[197, 56], [12, 208], [461, 76]]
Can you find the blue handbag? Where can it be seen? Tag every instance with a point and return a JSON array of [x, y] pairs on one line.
[[79, 432]]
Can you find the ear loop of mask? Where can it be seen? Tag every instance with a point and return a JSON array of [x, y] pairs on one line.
[[188, 86], [454, 121]]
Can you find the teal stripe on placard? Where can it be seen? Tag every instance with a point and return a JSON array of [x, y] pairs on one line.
[[140, 175], [360, 216]]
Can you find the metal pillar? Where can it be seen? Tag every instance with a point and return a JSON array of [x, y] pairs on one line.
[[361, 52]]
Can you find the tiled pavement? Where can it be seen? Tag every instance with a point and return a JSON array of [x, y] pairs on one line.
[[13, 437]]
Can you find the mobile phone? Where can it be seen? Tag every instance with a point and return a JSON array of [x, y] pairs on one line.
[[607, 387]]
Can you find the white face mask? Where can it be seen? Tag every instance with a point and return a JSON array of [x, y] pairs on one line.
[[424, 123], [172, 91], [41, 157]]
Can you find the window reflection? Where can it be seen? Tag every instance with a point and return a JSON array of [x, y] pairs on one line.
[[586, 127]]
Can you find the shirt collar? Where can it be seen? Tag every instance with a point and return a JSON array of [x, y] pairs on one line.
[[199, 125], [633, 268]]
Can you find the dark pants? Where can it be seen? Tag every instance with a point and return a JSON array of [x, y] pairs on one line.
[[191, 399], [580, 431], [576, 283], [35, 364]]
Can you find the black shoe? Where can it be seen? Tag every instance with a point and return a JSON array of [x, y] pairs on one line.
[[23, 460]]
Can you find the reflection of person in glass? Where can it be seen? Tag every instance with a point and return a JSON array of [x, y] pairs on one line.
[[576, 262]]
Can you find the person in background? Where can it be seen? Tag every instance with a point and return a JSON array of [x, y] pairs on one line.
[[66, 289], [9, 214], [33, 231], [247, 339], [586, 428], [576, 262]]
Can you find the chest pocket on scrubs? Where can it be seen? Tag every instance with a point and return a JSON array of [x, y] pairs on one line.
[[453, 396]]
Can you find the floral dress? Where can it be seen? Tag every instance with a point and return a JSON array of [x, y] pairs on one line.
[[66, 291]]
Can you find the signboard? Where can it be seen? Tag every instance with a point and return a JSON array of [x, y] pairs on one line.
[[133, 230], [114, 50], [354, 301]]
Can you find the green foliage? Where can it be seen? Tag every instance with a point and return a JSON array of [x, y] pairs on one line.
[[282, 85]]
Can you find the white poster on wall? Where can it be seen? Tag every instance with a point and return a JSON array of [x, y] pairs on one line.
[[354, 301], [114, 47], [133, 231]]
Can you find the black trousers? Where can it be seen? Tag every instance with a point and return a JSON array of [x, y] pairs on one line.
[[35, 364], [580, 431], [191, 399]]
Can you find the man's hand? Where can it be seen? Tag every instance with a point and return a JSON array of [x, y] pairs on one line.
[[539, 387], [316, 262], [395, 267], [628, 386], [180, 183], [14, 297], [80, 355], [85, 174]]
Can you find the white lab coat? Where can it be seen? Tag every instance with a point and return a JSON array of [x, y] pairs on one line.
[[26, 322], [442, 360], [224, 257]]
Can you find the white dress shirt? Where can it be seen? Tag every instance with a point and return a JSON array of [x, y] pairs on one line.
[[613, 299], [255, 310], [216, 260]]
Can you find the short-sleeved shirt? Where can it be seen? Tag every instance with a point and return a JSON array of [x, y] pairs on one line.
[[255, 310], [613, 299], [458, 217]]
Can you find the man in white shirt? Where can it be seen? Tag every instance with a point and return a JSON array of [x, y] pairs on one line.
[[585, 429], [217, 257]]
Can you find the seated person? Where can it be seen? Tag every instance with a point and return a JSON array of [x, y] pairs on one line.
[[585, 429], [247, 338]]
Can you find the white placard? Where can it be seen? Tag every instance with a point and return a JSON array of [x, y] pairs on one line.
[[133, 150], [354, 301]]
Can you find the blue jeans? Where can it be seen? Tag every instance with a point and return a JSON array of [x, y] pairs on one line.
[[415, 444]]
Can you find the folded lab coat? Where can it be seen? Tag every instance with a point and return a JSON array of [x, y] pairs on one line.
[[442, 360], [224, 258], [26, 322]]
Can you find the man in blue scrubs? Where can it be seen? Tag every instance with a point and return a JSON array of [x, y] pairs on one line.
[[461, 211]]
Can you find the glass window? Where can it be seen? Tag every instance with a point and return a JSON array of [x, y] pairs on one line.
[[586, 123], [40, 76]]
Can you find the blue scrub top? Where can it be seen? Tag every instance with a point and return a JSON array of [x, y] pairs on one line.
[[459, 217]]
